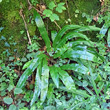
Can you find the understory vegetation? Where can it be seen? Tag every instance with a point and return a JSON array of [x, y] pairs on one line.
[[53, 58]]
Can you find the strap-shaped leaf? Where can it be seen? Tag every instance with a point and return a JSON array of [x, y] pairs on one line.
[[80, 53], [37, 83], [62, 31], [29, 71], [24, 77], [44, 80], [103, 29], [60, 51], [82, 42], [108, 38], [26, 73], [77, 29], [79, 92], [41, 27], [66, 79], [87, 28], [53, 35], [26, 65], [55, 76], [76, 67], [69, 36]]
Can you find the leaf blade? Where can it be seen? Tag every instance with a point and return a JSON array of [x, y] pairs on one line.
[[44, 80], [55, 76], [76, 67], [67, 80], [42, 29]]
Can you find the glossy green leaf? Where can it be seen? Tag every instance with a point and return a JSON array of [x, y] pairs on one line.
[[1, 28], [47, 12], [92, 81], [81, 42], [44, 80], [80, 53], [79, 92], [50, 93], [66, 79], [103, 30], [108, 38], [2, 38], [7, 100], [76, 67], [62, 31], [37, 83], [17, 91], [24, 77], [55, 76], [60, 51], [54, 17], [42, 29], [69, 36], [53, 35], [26, 65], [12, 107], [87, 28], [29, 71], [10, 87], [51, 5], [7, 44], [60, 7]]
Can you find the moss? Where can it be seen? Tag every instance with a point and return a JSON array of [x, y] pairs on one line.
[[13, 23], [31, 29]]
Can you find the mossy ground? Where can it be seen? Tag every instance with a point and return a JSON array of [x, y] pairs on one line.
[[13, 24]]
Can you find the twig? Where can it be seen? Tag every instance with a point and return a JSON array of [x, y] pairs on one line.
[[21, 14], [57, 25]]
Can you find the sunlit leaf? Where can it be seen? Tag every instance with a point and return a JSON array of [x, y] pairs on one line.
[[27, 64], [44, 80], [60, 7], [12, 107], [47, 12], [66, 79], [37, 83], [76, 67], [29, 71], [1, 28], [51, 5], [54, 17], [103, 30], [53, 35], [7, 100], [7, 44], [108, 38], [17, 91], [42, 29], [69, 36], [62, 31], [55, 76], [80, 53], [61, 51], [87, 28]]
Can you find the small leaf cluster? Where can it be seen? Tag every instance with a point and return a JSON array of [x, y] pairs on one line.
[[49, 12]]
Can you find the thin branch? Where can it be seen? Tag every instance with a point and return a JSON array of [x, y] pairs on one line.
[[57, 25], [21, 14]]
